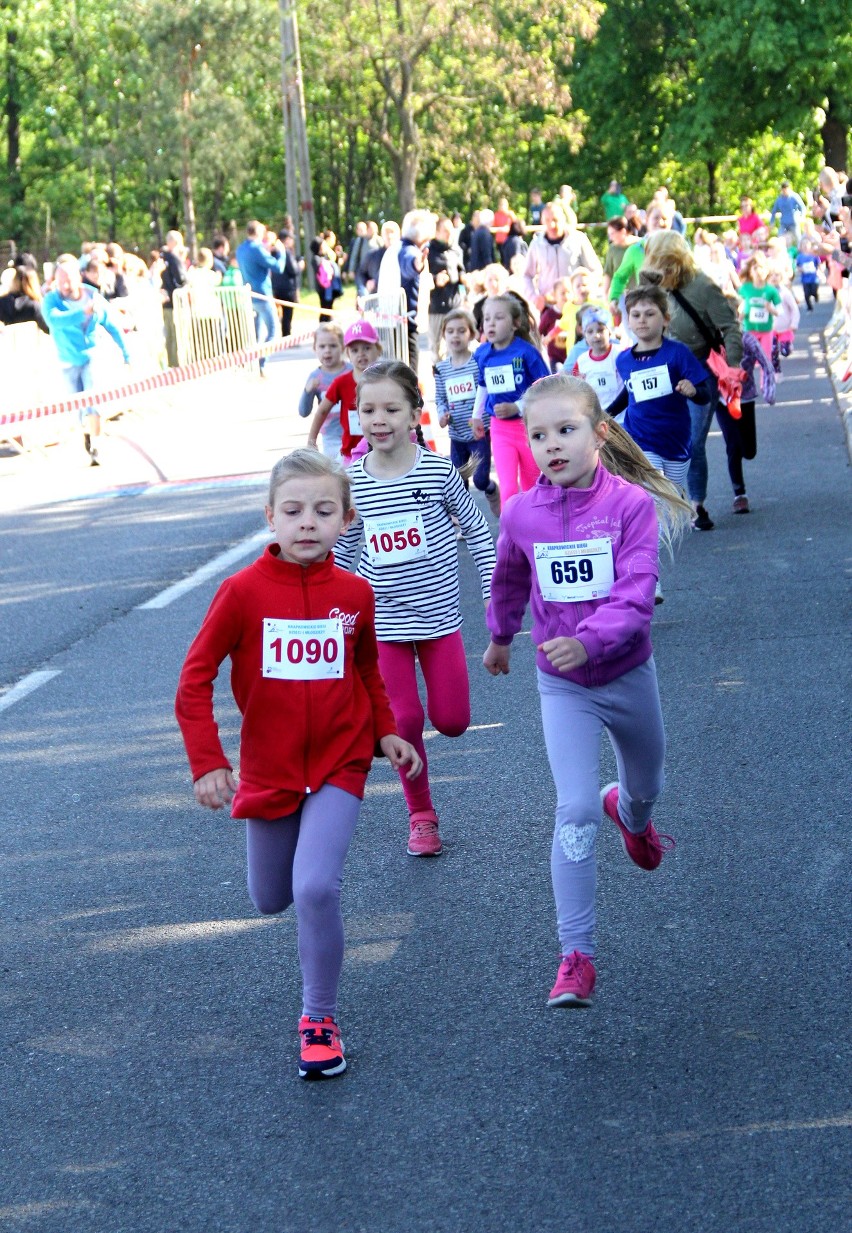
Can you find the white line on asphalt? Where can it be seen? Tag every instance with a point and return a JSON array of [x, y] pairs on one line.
[[207, 571], [26, 686]]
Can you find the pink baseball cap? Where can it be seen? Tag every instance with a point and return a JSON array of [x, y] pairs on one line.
[[360, 331]]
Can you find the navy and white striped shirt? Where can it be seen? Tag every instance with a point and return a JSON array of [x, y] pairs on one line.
[[455, 394], [416, 598]]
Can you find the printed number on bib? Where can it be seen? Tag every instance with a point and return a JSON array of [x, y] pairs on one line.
[[759, 313], [651, 382], [355, 429], [604, 383], [460, 389], [500, 379], [302, 650], [395, 539], [569, 573]]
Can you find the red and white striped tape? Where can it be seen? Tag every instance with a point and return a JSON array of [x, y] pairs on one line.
[[159, 380]]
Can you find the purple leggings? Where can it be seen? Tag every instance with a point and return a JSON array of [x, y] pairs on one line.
[[299, 859], [444, 667]]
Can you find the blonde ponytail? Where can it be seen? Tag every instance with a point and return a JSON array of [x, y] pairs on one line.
[[622, 456]]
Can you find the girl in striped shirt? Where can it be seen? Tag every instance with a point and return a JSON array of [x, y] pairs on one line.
[[407, 497]]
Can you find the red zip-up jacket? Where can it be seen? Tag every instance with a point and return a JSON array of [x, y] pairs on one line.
[[296, 735]]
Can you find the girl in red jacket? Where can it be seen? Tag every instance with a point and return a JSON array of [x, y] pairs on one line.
[[304, 673]]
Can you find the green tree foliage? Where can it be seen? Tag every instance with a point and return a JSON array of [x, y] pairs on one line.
[[122, 118]]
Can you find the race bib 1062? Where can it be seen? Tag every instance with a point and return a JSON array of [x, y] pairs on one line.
[[302, 650], [575, 571], [460, 389], [396, 538]]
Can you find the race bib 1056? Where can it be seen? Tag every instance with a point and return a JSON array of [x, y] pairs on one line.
[[571, 572], [397, 538], [302, 650]]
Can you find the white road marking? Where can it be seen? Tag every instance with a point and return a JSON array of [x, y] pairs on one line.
[[216, 566], [26, 686]]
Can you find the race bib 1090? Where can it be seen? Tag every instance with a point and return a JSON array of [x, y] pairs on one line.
[[571, 572], [302, 650]]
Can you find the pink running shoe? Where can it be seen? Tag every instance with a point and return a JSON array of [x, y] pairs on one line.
[[575, 982], [423, 839], [646, 850]]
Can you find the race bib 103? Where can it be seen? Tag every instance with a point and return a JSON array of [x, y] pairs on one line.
[[302, 650], [575, 571], [500, 379]]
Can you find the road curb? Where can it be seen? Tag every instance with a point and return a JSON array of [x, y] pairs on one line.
[[837, 348]]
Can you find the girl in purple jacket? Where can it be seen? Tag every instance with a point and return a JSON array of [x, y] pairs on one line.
[[582, 548]]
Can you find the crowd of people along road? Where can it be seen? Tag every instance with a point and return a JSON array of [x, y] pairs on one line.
[[596, 384]]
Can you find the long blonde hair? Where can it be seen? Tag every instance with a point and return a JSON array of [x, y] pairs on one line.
[[668, 254], [621, 455]]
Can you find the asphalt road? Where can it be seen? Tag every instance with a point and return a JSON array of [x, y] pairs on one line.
[[148, 1045]]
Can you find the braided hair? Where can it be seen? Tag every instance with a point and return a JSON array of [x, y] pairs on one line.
[[404, 377]]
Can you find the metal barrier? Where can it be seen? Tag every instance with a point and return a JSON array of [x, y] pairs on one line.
[[213, 321], [389, 315]]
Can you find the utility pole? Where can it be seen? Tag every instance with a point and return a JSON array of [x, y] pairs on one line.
[[300, 204]]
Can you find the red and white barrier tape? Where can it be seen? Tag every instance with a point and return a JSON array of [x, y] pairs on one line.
[[159, 380]]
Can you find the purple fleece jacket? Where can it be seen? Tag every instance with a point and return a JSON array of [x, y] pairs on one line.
[[616, 631]]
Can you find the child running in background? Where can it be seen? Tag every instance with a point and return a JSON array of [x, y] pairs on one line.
[[362, 349], [407, 498], [508, 364], [552, 334], [786, 319], [760, 301], [455, 393], [582, 288], [305, 676], [807, 263], [328, 348], [741, 435], [582, 549], [596, 364]]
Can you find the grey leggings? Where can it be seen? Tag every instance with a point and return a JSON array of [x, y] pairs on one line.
[[299, 859], [573, 717]]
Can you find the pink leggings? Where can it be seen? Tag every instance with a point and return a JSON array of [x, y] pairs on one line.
[[512, 457], [444, 668]]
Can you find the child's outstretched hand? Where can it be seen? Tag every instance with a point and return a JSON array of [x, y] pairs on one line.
[[496, 659], [565, 653], [444, 419], [398, 752], [215, 789], [686, 388]]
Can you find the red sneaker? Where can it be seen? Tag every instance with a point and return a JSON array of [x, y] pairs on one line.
[[423, 838], [322, 1049], [575, 982], [646, 850]]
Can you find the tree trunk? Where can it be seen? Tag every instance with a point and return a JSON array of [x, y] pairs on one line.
[[835, 141], [13, 138], [186, 190], [156, 221], [711, 186]]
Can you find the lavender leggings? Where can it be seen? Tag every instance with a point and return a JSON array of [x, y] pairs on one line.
[[299, 859], [574, 717]]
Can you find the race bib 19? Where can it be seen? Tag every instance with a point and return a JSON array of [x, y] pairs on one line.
[[651, 382], [500, 379], [397, 538], [302, 650], [569, 573], [460, 390], [605, 385]]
